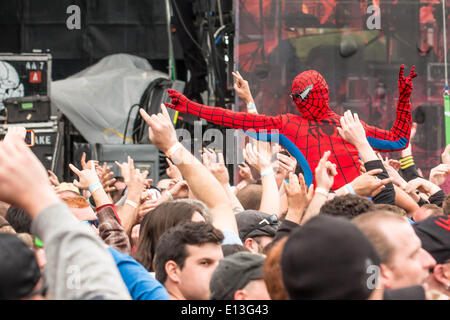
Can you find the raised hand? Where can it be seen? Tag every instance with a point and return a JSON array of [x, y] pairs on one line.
[[87, 177], [125, 168], [241, 87], [259, 156], [289, 163], [137, 180], [87, 165], [439, 174], [405, 85], [53, 178], [179, 190], [172, 171], [179, 101], [245, 172], [422, 185], [160, 129], [325, 172], [351, 129], [15, 133], [395, 164], [298, 194], [24, 181], [216, 165], [392, 167], [368, 185], [106, 178]]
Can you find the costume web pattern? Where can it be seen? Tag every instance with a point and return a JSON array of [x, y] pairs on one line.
[[314, 132]]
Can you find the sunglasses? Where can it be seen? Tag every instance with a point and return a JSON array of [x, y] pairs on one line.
[[302, 95]]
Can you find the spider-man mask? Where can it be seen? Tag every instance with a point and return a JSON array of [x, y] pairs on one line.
[[310, 95]]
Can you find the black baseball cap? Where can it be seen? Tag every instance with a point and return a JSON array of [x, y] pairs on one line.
[[252, 223], [329, 258], [19, 270], [434, 233]]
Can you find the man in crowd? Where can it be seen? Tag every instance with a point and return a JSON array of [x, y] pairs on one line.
[[434, 233], [256, 229], [403, 260], [249, 285], [186, 258]]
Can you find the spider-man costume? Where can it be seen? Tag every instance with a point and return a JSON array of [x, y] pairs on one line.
[[314, 132]]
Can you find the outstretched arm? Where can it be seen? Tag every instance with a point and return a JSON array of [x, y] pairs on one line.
[[223, 117], [398, 137]]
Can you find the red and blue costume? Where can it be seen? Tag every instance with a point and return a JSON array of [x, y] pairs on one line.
[[308, 136]]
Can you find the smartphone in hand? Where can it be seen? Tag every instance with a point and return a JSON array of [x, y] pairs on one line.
[[30, 138]]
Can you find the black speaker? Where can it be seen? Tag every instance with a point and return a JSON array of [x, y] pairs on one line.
[[145, 156], [45, 143], [430, 120]]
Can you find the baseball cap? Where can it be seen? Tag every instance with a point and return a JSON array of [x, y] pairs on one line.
[[329, 258], [19, 270], [434, 232], [234, 272], [252, 223]]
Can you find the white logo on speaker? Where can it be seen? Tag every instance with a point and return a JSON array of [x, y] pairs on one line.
[[10, 86]]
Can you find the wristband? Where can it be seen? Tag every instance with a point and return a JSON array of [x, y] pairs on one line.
[[266, 172], [173, 149], [322, 191], [251, 106], [95, 187], [131, 203], [350, 188], [170, 195], [406, 162]]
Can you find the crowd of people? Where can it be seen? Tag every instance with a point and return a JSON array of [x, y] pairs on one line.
[[193, 236]]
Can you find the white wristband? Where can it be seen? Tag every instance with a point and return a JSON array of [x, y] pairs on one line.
[[266, 172], [173, 149], [322, 191], [251, 106], [131, 203]]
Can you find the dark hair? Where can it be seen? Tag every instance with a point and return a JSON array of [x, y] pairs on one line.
[[229, 249], [19, 219], [172, 244], [250, 196], [348, 206], [158, 221]]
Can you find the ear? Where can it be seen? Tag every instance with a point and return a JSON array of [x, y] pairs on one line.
[[173, 271], [240, 295], [251, 244], [386, 276], [441, 275]]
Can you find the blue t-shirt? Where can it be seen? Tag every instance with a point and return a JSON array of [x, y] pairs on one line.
[[140, 284], [230, 237]]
